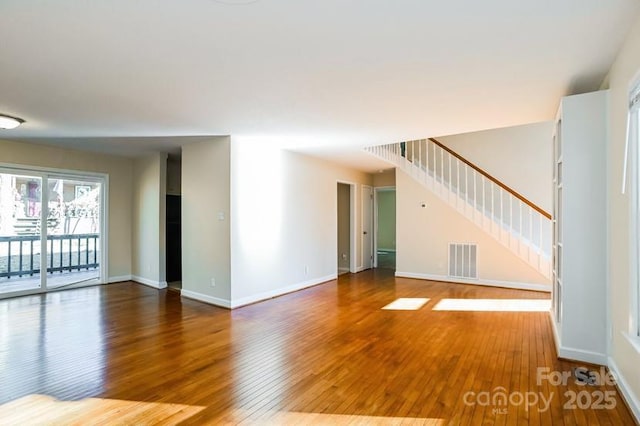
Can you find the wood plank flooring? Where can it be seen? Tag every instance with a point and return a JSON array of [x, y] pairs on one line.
[[129, 354]]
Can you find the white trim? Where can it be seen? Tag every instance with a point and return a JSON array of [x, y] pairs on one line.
[[119, 279], [353, 223], [360, 269], [362, 227], [554, 328], [150, 283], [104, 236], [483, 282], [51, 170], [223, 303], [572, 353], [46, 173], [630, 398], [259, 297], [634, 241], [581, 355]]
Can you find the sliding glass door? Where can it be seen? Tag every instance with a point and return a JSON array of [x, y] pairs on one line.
[[73, 232], [69, 244], [20, 232]]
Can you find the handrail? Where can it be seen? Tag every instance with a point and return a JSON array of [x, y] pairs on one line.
[[493, 179]]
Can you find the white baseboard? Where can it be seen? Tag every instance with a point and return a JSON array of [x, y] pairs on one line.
[[360, 269], [491, 283], [573, 353], [630, 398], [223, 303], [148, 282], [554, 329], [119, 279], [581, 355], [280, 291]]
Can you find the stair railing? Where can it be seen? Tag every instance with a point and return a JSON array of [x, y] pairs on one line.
[[501, 211]]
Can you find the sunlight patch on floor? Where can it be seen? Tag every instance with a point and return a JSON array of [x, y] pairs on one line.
[[44, 409], [494, 305], [406, 304]]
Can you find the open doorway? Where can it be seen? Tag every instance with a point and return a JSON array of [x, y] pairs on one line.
[[345, 220], [174, 222], [385, 215], [344, 228]]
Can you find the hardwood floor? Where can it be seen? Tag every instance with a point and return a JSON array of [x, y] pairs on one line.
[[129, 354]]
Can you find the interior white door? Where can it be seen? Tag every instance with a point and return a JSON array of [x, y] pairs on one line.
[[367, 227]]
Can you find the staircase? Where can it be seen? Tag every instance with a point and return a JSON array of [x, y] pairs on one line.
[[498, 210]]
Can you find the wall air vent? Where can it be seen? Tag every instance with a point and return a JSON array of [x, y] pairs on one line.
[[463, 260]]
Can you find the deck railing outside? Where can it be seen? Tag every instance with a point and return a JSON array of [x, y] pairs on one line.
[[20, 255]]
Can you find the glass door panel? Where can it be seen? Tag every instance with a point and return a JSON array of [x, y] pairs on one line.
[[20, 232], [73, 231]]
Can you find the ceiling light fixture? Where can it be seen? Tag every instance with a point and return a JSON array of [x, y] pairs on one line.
[[8, 122]]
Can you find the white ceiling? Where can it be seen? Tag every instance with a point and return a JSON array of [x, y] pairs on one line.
[[140, 75]]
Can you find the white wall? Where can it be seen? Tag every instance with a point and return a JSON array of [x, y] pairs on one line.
[[206, 221], [386, 178], [519, 156], [625, 357], [284, 224], [119, 170], [149, 220], [423, 236]]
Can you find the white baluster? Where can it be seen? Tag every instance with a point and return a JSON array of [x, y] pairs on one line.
[[426, 159], [501, 211], [456, 166], [530, 231], [466, 184], [441, 170], [420, 155], [540, 219], [493, 207], [483, 204], [475, 194], [511, 218], [413, 157]]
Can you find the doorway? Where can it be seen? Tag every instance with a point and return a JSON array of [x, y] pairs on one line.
[[345, 227], [385, 225], [51, 230], [174, 222], [367, 227]]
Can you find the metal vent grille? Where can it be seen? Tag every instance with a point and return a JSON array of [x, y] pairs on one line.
[[463, 260]]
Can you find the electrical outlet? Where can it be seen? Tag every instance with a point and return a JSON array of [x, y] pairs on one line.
[[213, 282], [344, 256]]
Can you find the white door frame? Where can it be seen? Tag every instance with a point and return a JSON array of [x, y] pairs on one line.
[[371, 203], [45, 173]]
